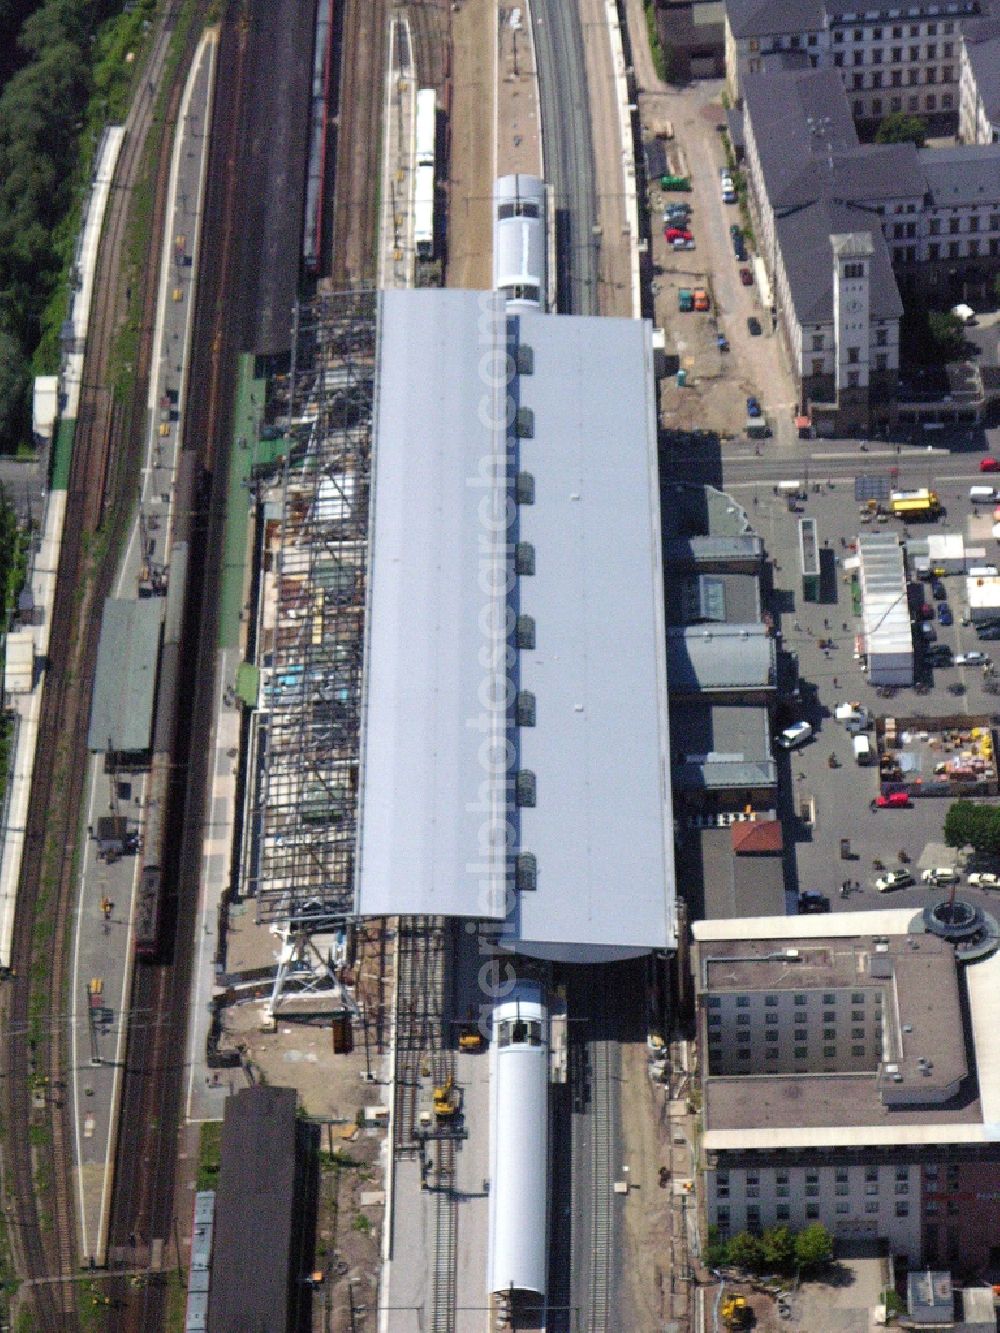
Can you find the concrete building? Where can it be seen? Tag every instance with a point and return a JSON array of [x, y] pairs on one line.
[[515, 738], [849, 1075], [979, 85]]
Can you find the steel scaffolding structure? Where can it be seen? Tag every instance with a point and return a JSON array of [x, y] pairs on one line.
[[308, 744]]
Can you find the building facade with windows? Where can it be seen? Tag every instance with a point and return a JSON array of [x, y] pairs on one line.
[[849, 1075], [979, 85], [890, 57]]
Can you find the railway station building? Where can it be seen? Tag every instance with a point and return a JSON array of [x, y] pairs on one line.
[[851, 1077], [515, 756]]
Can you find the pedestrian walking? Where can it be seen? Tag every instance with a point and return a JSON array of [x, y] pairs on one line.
[[835, 682]]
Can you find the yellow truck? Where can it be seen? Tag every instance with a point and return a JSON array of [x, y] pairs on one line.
[[914, 504]]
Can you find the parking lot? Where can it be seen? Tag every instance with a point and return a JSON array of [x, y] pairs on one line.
[[840, 796]]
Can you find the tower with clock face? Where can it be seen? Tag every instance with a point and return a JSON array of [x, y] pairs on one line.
[[852, 264]]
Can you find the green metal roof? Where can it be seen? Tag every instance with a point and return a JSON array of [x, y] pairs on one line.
[[121, 714]]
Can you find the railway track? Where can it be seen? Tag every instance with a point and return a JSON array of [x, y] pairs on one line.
[[602, 1193], [100, 472], [359, 131], [444, 1277], [429, 37], [419, 1020]]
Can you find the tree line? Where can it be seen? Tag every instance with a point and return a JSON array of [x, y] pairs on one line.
[[47, 137]]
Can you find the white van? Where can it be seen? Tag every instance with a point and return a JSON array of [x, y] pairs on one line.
[[797, 734], [983, 572], [982, 495], [863, 750]]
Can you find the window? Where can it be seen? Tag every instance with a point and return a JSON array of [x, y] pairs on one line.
[[842, 1189], [871, 1187], [858, 1033], [799, 999], [859, 58], [524, 632], [902, 1208], [877, 56], [857, 82], [897, 54], [973, 223], [947, 49], [973, 249], [772, 1052], [743, 1020], [853, 380], [933, 251], [853, 355], [881, 363], [838, 37], [753, 1216], [850, 271], [743, 1053], [932, 30], [829, 1034], [876, 34], [995, 222], [843, 1209], [838, 59], [931, 1171], [902, 1173], [902, 1187], [817, 369], [897, 34], [781, 1177], [714, 1002], [948, 28], [526, 872], [858, 35], [801, 1052], [857, 1050], [829, 1052], [946, 100], [753, 1191], [723, 1216], [524, 423], [812, 1191], [877, 101], [524, 558], [913, 102], [897, 230], [859, 108], [770, 1018], [932, 1208], [935, 226], [770, 1001], [932, 51], [812, 1211], [895, 103], [953, 249], [911, 230], [914, 54], [525, 788], [715, 1020], [948, 74], [871, 1206], [817, 342], [524, 716], [782, 1212], [954, 226]]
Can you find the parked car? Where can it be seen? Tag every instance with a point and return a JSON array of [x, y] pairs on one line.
[[974, 658], [939, 654], [892, 800], [944, 614], [812, 901], [989, 465], [676, 234], [984, 879], [797, 734], [940, 875], [746, 277], [753, 406], [701, 301], [938, 591], [894, 879], [988, 632], [928, 631], [753, 326], [926, 611]]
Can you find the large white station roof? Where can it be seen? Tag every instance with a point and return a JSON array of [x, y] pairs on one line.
[[434, 811]]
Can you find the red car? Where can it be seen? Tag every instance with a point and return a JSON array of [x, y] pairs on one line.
[[989, 465], [676, 234], [895, 800], [746, 277], [926, 611]]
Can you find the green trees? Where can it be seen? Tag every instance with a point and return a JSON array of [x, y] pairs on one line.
[[46, 141], [813, 1247], [898, 127], [775, 1250], [970, 825]]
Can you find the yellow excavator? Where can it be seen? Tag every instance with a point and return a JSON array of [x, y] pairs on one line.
[[446, 1099], [735, 1312]]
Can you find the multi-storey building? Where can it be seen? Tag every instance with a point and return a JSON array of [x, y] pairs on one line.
[[979, 85], [850, 1075], [894, 217], [890, 57]]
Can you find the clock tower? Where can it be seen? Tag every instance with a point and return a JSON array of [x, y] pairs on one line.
[[852, 264]]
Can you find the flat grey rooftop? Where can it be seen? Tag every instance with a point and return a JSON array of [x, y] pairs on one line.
[[434, 808], [121, 712], [601, 829], [717, 746], [705, 598], [721, 657]]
